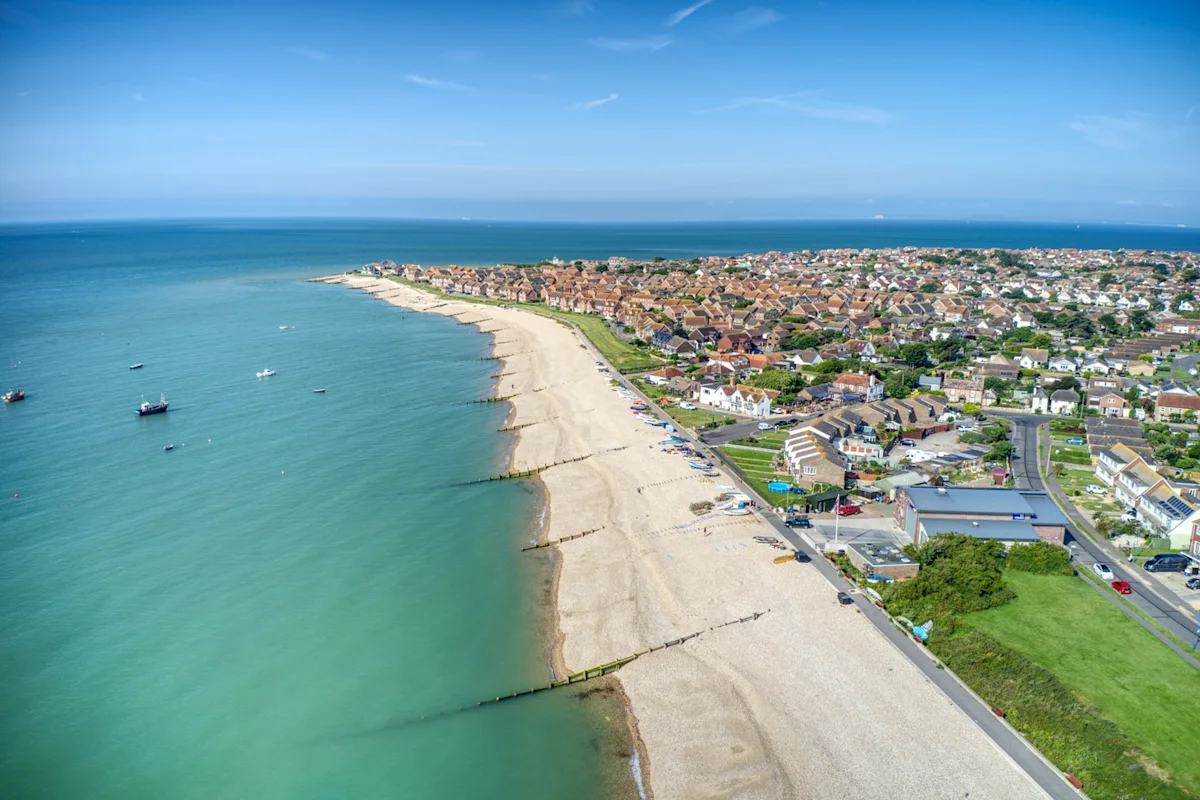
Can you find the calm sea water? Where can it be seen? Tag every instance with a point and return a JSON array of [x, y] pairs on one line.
[[264, 610]]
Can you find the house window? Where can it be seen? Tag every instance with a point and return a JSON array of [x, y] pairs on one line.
[[810, 470]]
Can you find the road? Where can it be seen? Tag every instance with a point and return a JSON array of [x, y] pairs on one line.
[[1148, 597], [1027, 758]]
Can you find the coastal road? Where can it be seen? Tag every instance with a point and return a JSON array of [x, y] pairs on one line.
[[1086, 547], [1026, 757]]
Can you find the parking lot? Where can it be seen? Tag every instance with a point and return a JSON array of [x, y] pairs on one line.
[[938, 443]]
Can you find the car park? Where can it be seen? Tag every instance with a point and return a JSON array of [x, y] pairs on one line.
[[1094, 489], [1103, 571], [1167, 562], [1122, 587]]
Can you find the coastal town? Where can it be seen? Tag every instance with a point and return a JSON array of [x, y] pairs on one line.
[[887, 408]]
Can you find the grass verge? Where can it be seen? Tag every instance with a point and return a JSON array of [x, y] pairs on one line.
[[1116, 671]]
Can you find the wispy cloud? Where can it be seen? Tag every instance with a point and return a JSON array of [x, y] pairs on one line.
[[644, 44], [433, 83], [460, 56], [1188, 115], [577, 8], [811, 104], [540, 76], [683, 13], [139, 97], [588, 105], [25, 93], [311, 53], [1123, 132], [754, 17]]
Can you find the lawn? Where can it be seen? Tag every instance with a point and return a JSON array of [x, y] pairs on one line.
[[757, 467], [1109, 660]]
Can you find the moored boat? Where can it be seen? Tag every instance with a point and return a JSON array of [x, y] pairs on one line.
[[169, 447], [153, 408], [13, 397], [266, 373], [318, 391], [138, 365]]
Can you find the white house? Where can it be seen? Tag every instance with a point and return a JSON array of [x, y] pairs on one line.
[[1063, 364], [739, 399]]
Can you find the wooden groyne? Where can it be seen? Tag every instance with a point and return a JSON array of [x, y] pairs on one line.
[[553, 542], [525, 473], [497, 344], [505, 375], [515, 428], [499, 399], [431, 308], [459, 314], [613, 666]]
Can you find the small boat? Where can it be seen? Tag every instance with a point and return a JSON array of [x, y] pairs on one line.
[[318, 391], [266, 373], [136, 366], [13, 397], [169, 447], [700, 465], [736, 512], [283, 327], [152, 408], [711, 473]]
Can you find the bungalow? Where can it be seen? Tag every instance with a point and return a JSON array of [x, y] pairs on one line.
[[1032, 358], [1064, 364], [807, 358], [664, 375], [1064, 401]]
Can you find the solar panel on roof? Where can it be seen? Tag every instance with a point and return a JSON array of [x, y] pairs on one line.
[[1179, 506]]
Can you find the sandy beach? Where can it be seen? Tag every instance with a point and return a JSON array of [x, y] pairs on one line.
[[807, 701]]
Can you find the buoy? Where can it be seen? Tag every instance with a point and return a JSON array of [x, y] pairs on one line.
[[280, 472], [15, 496]]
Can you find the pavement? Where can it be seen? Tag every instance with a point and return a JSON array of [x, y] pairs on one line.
[[1045, 774], [1086, 546]]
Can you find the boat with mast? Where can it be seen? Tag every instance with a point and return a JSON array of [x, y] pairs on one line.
[[146, 409]]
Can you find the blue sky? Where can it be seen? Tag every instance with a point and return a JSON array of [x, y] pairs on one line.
[[1082, 110]]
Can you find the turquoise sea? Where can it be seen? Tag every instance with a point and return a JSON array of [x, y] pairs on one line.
[[268, 610]]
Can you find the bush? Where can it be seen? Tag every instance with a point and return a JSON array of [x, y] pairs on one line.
[[958, 574], [1040, 558]]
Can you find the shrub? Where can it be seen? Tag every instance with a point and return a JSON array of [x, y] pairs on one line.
[[1040, 558], [958, 574]]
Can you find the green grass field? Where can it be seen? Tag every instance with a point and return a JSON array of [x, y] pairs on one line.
[[1108, 659], [697, 418], [757, 466]]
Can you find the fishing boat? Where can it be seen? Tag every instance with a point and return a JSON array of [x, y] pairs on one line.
[[283, 327], [266, 373], [152, 408], [136, 366], [169, 447], [318, 391], [13, 397]]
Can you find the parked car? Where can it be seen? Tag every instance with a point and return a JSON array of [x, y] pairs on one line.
[[1103, 571], [798, 522], [1122, 587], [845, 599], [1193, 583], [765, 426], [1094, 489], [1129, 516], [1167, 562], [966, 429], [687, 406], [908, 442], [1075, 440], [846, 511], [783, 423]]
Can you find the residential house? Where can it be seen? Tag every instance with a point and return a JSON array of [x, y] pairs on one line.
[[1164, 513], [1064, 401], [1108, 402], [1173, 407], [1032, 358], [963, 390], [738, 399], [866, 386]]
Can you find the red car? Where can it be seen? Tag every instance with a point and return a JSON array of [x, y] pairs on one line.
[[1122, 587], [846, 511]]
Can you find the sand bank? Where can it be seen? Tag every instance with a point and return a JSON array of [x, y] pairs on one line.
[[809, 701]]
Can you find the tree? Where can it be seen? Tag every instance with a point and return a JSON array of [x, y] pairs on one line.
[[831, 366], [1109, 324], [1063, 383], [1002, 450], [971, 409], [998, 385], [1040, 340], [915, 354], [1140, 320], [898, 384], [804, 341]]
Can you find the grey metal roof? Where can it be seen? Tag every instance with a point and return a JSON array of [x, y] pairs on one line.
[[970, 502], [1004, 530]]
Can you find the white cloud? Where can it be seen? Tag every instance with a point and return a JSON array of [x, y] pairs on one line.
[[754, 17], [540, 76], [311, 53], [1124, 132], [810, 104], [588, 105], [25, 93], [645, 44], [433, 83], [1188, 115], [139, 97], [683, 13]]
